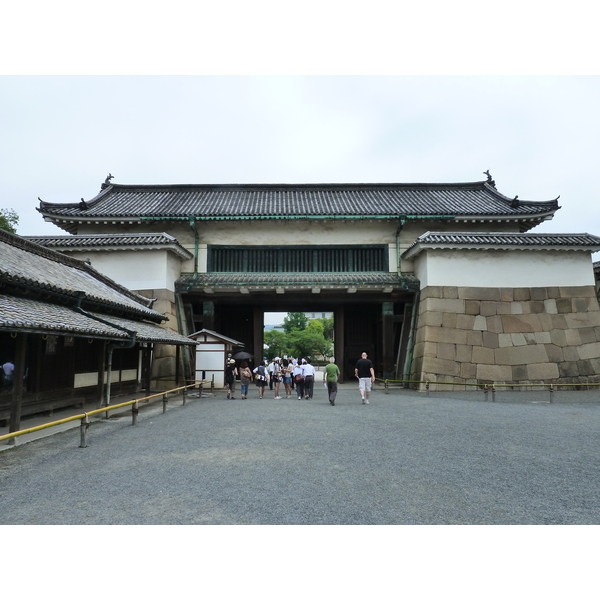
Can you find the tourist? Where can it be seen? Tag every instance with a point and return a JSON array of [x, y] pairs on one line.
[[332, 374], [261, 379], [276, 377], [231, 374], [287, 369], [298, 373], [309, 379], [366, 377], [245, 379], [8, 370]]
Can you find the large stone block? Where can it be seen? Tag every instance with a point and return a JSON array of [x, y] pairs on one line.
[[522, 294], [450, 292], [507, 294], [558, 322], [465, 321], [464, 353], [494, 324], [438, 366], [516, 308], [520, 324], [587, 351], [449, 320], [573, 338], [483, 355], [550, 306], [520, 355], [479, 293], [446, 351], [519, 373], [543, 337], [585, 367], [480, 323], [563, 305], [542, 371], [503, 308], [468, 371], [588, 319], [570, 353], [537, 306], [442, 305], [568, 369], [487, 308], [472, 307], [584, 291], [587, 335], [432, 291], [518, 339], [433, 319], [494, 373], [539, 293], [474, 338], [559, 337], [555, 353], [505, 340], [490, 340], [553, 292], [445, 335]]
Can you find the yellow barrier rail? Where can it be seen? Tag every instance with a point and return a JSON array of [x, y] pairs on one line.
[[85, 417], [489, 387]]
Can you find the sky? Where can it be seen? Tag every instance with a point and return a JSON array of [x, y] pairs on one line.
[[537, 135], [311, 92]]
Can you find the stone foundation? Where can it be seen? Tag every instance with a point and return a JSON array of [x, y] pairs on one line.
[[475, 336]]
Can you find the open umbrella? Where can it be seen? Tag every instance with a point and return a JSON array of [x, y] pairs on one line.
[[242, 356]]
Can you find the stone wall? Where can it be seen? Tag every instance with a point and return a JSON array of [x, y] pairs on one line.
[[476, 335]]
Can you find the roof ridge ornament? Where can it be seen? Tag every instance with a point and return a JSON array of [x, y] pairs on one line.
[[489, 179], [107, 181]]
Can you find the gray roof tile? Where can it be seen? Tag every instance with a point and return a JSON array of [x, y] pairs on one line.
[[301, 200], [541, 241]]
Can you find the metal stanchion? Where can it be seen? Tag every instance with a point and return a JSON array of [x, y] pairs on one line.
[[85, 424], [551, 393], [135, 409], [165, 400], [485, 392], [493, 393], [427, 388]]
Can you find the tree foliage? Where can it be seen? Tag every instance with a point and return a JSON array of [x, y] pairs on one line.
[[9, 220], [295, 321], [301, 338]]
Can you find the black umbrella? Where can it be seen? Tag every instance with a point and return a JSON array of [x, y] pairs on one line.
[[242, 356]]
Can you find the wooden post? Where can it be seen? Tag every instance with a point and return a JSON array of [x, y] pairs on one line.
[[17, 390]]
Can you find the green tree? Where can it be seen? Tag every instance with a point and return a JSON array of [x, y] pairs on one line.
[[9, 220], [295, 321], [276, 343]]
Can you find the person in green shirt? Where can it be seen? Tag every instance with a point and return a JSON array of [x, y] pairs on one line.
[[332, 373]]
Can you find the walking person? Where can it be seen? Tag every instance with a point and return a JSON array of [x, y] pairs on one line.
[[231, 374], [287, 369], [309, 379], [332, 374], [276, 376], [245, 379], [270, 370], [299, 379], [366, 377], [261, 379]]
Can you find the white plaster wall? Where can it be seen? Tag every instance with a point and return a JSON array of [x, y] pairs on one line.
[[138, 270], [499, 268]]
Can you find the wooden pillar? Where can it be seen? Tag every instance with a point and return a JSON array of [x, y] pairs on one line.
[[338, 340], [148, 368], [258, 335], [208, 315], [18, 377], [101, 369], [387, 340]]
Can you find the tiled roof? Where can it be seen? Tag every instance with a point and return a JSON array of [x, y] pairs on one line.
[[41, 290], [539, 241], [101, 241], [28, 265], [35, 316], [132, 202], [325, 280]]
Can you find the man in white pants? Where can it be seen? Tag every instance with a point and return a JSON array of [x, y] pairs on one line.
[[366, 377]]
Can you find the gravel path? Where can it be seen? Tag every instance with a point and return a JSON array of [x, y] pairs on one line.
[[407, 458]]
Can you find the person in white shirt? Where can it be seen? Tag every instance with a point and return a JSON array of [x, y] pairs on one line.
[[309, 379], [299, 379], [8, 370]]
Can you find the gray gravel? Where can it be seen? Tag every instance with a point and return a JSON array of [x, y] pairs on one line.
[[407, 458]]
